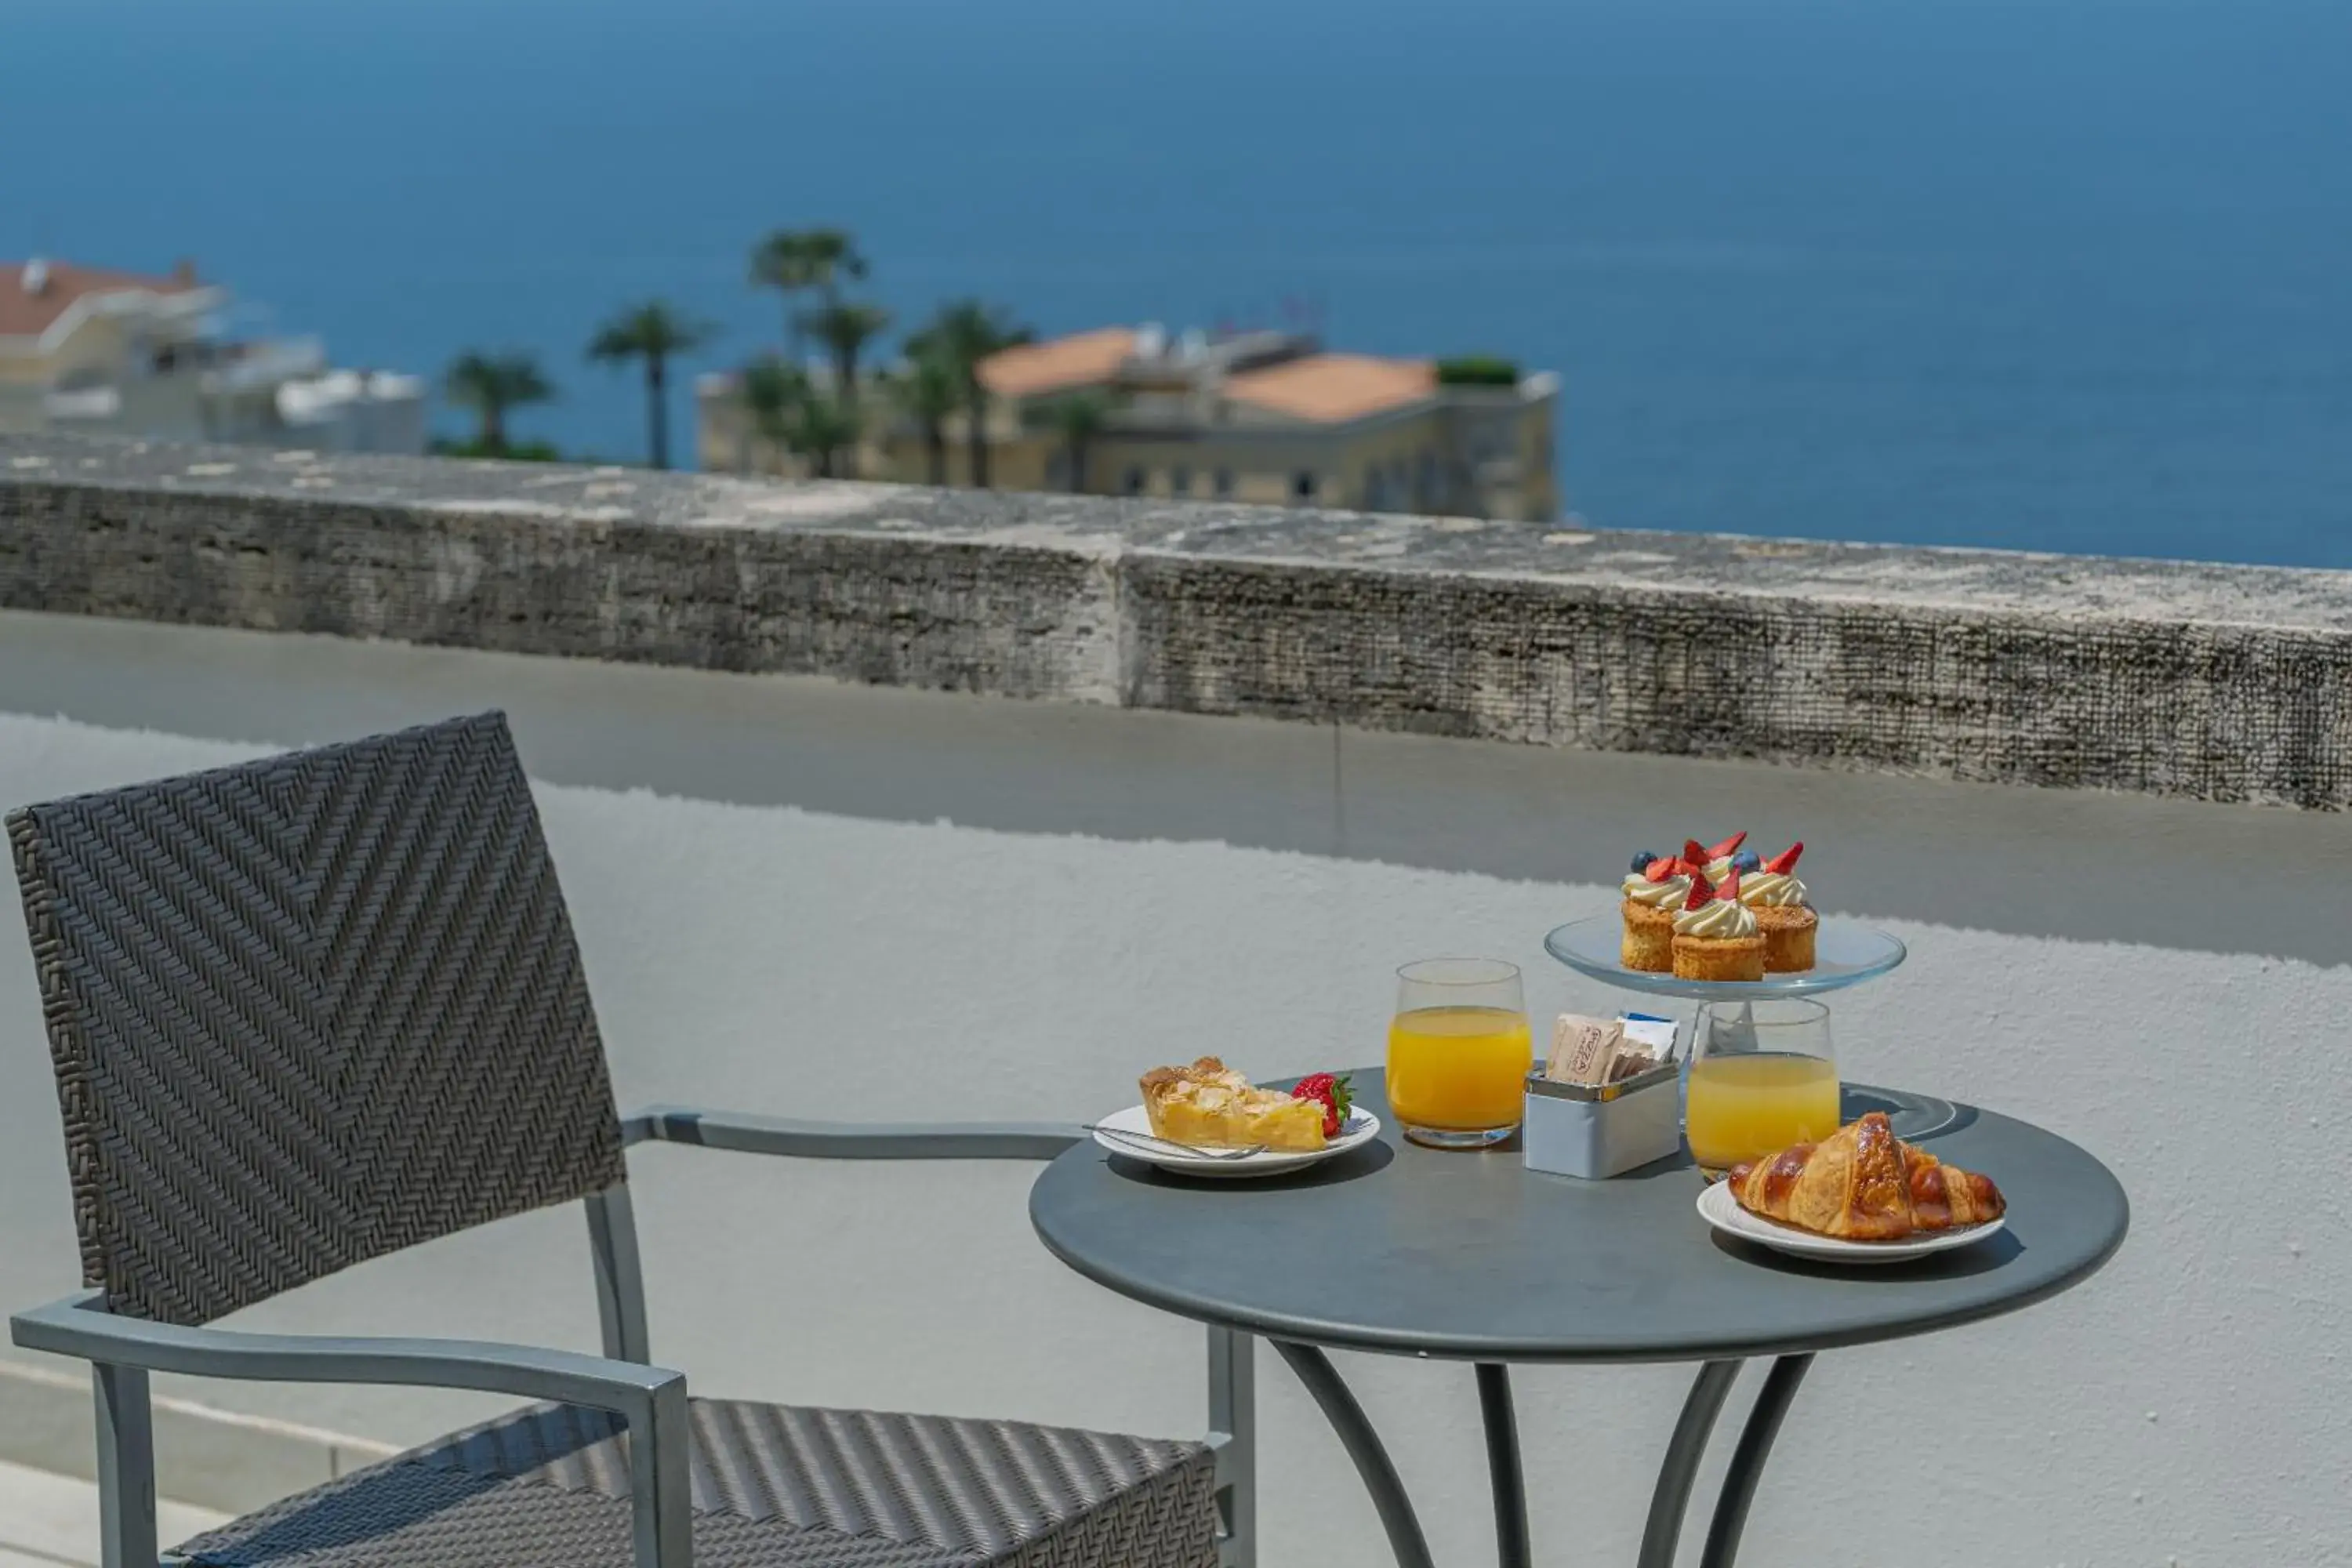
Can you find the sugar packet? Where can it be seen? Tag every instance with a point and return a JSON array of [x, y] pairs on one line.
[[1583, 1049]]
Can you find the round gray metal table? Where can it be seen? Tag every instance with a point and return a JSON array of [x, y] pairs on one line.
[[1471, 1256]]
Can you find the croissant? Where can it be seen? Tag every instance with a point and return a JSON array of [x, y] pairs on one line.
[[1863, 1184]]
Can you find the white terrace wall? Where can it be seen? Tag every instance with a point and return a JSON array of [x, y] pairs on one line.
[[808, 897]]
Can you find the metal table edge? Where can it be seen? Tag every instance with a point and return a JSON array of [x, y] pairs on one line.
[[1331, 1336]]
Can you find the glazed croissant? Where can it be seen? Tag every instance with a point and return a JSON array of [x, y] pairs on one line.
[[1863, 1184]]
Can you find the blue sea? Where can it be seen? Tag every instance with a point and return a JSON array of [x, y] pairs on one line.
[[2056, 274]]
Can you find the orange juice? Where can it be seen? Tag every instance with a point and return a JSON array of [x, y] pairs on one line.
[[1744, 1107], [1459, 1068]]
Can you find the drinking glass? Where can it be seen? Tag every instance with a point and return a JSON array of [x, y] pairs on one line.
[[1762, 1076], [1459, 1051]]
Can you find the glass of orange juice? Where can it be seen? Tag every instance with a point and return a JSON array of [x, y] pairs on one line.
[[1762, 1076], [1459, 1051]]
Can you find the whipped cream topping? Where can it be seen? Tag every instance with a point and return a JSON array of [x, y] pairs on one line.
[[1717, 869], [1776, 888], [1669, 894], [1717, 918]]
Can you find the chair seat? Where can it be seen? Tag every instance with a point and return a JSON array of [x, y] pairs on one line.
[[548, 1487]]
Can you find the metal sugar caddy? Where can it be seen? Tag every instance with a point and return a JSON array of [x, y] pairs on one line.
[[1596, 1130]]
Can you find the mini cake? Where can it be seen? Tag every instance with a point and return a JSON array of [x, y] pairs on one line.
[[1209, 1106], [1657, 887], [1716, 937], [1782, 912]]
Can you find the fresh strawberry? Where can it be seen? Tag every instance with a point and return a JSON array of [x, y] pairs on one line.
[[1700, 892], [1695, 853], [1333, 1093], [1659, 870], [1729, 891], [1783, 863], [1729, 847]]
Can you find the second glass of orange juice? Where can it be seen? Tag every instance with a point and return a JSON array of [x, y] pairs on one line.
[[1459, 1052], [1762, 1076]]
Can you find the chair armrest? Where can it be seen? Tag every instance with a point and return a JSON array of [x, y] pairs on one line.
[[80, 1326], [650, 1399], [849, 1140]]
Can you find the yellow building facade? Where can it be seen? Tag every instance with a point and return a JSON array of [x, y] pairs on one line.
[[1265, 418]]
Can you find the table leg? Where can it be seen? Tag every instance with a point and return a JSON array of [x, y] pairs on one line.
[[1670, 1499], [1748, 1459], [1363, 1445], [1503, 1466]]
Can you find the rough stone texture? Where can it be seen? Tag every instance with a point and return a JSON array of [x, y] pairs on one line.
[[2217, 682]]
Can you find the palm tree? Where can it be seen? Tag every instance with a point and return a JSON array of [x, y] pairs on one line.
[[965, 333], [1079, 418], [796, 261], [652, 333], [772, 389], [490, 385], [821, 429], [927, 391], [787, 408], [845, 329], [769, 389]]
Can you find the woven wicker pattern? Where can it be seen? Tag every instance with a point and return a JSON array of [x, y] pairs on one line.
[[268, 986], [548, 1488], [414, 1516]]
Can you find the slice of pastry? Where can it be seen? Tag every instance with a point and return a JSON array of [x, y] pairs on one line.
[[1209, 1106], [1863, 1184]]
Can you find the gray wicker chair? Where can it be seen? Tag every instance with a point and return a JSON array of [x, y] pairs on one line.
[[266, 988]]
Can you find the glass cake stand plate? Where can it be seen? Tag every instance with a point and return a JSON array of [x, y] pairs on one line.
[[1844, 954]]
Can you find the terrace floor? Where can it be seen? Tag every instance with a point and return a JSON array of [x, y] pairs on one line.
[[47, 1520]]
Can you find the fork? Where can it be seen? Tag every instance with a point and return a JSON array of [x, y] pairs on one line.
[[1169, 1144]]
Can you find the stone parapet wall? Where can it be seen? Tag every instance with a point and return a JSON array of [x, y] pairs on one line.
[[2213, 682]]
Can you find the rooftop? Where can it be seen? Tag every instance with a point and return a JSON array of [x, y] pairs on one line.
[[1059, 364], [1332, 388], [1284, 373], [36, 294]]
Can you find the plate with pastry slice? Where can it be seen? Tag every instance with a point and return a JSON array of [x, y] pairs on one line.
[[1197, 1120], [1860, 1195]]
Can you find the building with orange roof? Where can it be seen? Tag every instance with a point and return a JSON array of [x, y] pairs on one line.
[[1057, 364], [102, 352], [1269, 418]]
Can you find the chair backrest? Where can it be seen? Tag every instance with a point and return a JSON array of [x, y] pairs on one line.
[[308, 1011]]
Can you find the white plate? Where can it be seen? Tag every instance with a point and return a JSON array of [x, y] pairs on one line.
[[1721, 1210], [1362, 1126]]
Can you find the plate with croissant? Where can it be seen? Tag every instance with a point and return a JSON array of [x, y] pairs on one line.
[[1860, 1195], [1199, 1120]]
